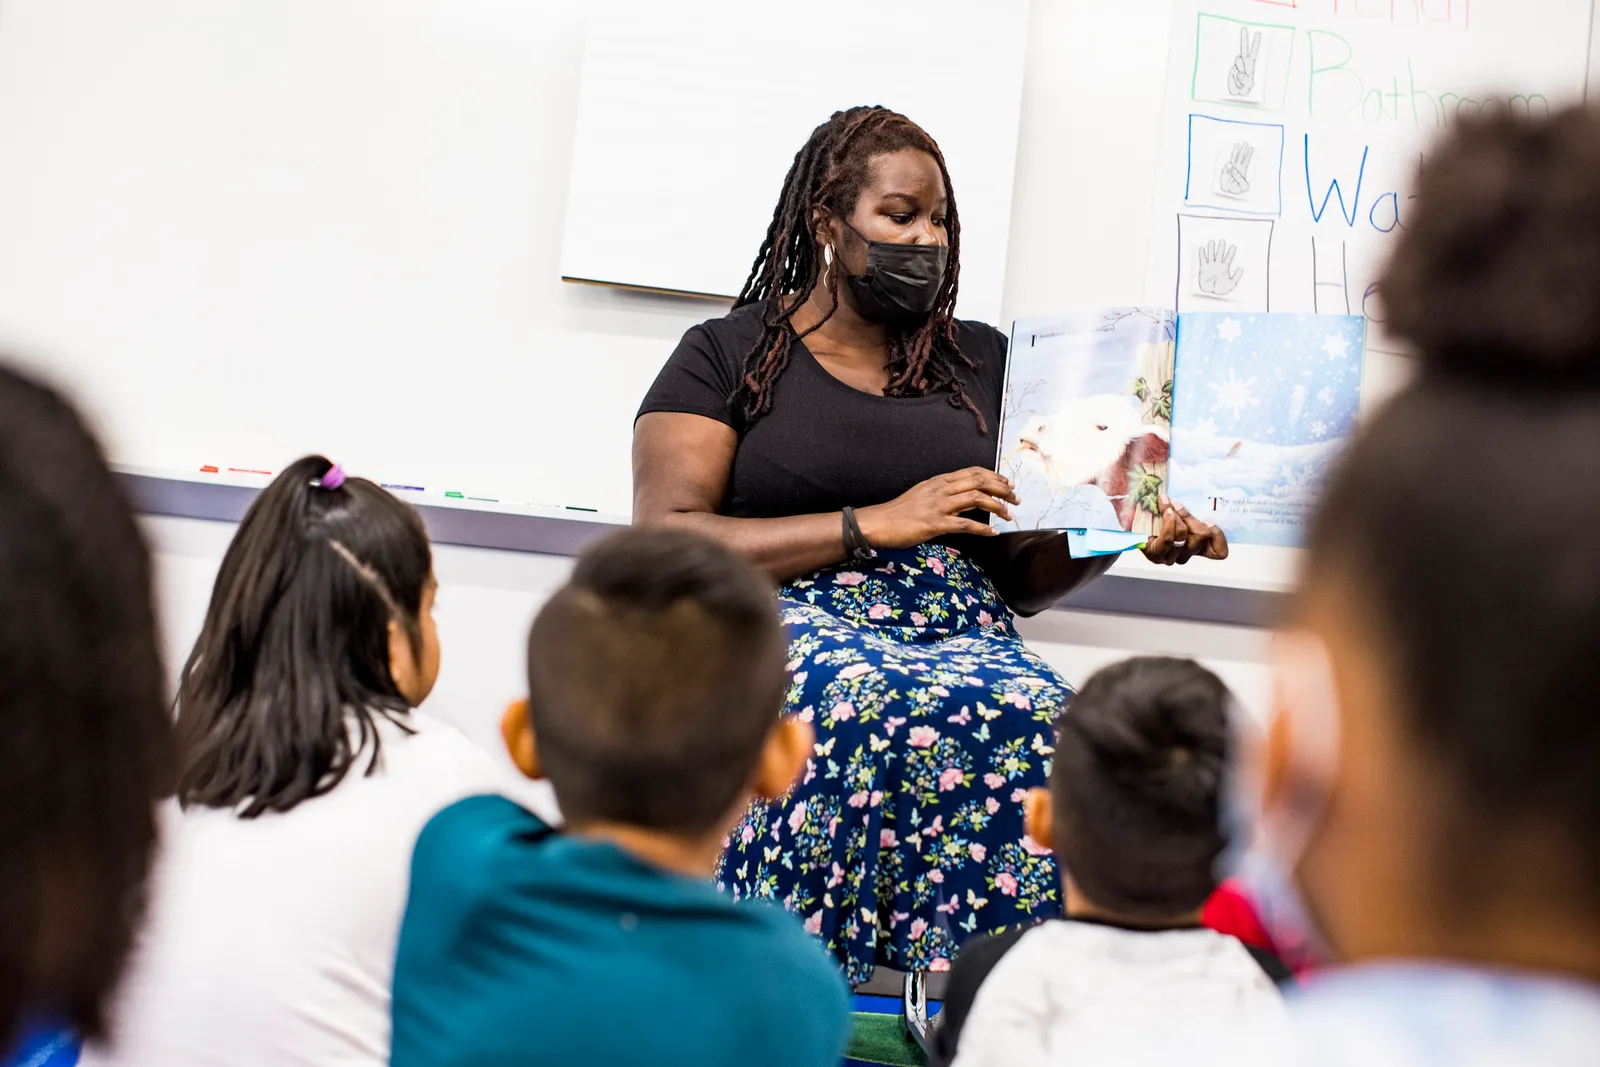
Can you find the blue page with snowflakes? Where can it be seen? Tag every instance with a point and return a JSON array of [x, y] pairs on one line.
[[1261, 405]]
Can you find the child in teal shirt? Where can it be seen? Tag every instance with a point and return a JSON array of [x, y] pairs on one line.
[[655, 680]]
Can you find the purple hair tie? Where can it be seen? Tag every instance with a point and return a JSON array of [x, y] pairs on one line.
[[333, 479]]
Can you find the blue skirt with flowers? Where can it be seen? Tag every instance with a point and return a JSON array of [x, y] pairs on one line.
[[905, 833]]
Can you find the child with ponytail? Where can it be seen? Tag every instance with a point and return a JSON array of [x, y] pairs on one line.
[[306, 774]]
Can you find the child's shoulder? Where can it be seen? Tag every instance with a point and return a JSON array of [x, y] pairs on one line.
[[789, 950], [470, 834]]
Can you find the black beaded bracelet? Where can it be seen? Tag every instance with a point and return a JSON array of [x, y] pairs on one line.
[[855, 542]]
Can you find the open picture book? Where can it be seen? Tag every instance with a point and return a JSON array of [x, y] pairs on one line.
[[1236, 416]]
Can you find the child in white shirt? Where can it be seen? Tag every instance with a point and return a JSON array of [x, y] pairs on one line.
[[306, 777], [1129, 976]]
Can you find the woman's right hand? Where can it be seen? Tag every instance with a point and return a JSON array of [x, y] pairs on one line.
[[934, 508]]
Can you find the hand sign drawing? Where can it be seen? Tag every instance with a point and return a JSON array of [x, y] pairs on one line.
[[1217, 275], [1236, 171], [1242, 75]]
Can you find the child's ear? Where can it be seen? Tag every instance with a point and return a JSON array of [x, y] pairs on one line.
[[516, 729], [1038, 817], [782, 759], [402, 664]]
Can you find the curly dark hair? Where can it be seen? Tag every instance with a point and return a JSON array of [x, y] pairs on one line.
[[1492, 637], [829, 171], [86, 746]]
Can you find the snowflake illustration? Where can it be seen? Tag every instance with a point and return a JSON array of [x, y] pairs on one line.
[[1327, 396], [1228, 329], [1336, 347], [1319, 428], [1235, 394]]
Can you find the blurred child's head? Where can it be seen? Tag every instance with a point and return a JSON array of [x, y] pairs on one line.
[[655, 682], [1434, 773], [1134, 806], [85, 740], [321, 621]]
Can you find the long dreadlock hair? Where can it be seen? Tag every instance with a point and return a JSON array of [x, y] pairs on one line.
[[829, 171]]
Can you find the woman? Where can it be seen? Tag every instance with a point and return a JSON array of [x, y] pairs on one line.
[[1431, 785], [837, 427]]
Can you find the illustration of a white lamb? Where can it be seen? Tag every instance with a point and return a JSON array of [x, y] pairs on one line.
[[1094, 440]]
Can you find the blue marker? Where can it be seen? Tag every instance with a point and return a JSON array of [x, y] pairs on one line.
[[407, 488]]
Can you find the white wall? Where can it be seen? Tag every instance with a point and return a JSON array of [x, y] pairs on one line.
[[487, 599], [1066, 250]]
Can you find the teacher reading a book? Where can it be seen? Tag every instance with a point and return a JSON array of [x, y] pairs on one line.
[[838, 427]]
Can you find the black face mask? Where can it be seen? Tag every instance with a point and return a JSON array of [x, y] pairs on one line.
[[901, 282]]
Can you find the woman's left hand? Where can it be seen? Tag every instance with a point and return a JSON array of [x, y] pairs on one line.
[[1183, 537]]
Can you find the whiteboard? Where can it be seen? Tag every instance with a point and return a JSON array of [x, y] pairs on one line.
[[1332, 105], [241, 230], [689, 116]]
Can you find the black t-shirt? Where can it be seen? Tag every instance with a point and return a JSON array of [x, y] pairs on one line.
[[825, 445]]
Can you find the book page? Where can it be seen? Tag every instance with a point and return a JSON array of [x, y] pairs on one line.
[[1088, 404]]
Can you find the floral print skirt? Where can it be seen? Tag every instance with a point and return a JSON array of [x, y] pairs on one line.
[[932, 719]]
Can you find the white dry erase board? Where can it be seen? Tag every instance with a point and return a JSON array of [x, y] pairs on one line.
[[240, 230], [689, 115]]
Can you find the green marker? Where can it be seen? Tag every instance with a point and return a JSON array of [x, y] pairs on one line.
[[455, 495]]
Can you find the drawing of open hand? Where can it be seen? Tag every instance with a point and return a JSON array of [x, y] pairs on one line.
[[1236, 172], [1242, 75], [1217, 275]]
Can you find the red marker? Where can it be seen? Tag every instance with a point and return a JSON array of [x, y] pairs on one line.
[[208, 469]]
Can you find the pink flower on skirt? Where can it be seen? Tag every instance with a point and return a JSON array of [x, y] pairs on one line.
[[1006, 883], [991, 805], [939, 963], [855, 670], [936, 876], [797, 817], [994, 781], [879, 611], [886, 839], [1018, 796], [849, 578], [844, 710], [918, 928], [985, 619], [1032, 847], [814, 924], [918, 619], [858, 800], [978, 851], [949, 778], [922, 736]]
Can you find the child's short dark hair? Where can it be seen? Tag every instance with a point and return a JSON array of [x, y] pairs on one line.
[[295, 646], [85, 737], [654, 678], [1140, 768]]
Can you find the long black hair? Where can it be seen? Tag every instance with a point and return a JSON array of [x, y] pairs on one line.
[[85, 739], [294, 654], [829, 171], [1492, 636]]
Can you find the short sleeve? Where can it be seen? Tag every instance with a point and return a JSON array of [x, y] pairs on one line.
[[700, 378], [993, 360]]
